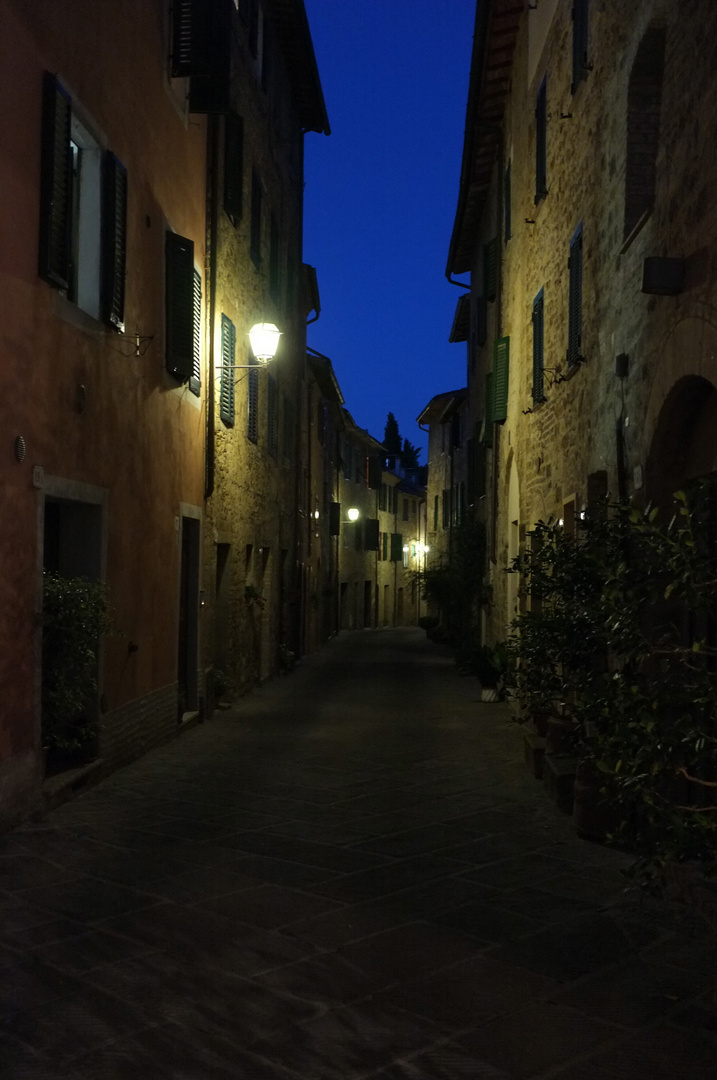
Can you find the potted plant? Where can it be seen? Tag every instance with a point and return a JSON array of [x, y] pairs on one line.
[[74, 617]]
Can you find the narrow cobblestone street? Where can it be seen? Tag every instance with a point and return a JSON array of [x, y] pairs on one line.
[[349, 874]]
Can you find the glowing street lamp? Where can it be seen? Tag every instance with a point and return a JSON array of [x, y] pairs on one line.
[[353, 514], [264, 339]]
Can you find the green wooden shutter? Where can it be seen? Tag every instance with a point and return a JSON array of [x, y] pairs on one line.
[[226, 385], [179, 300], [575, 298], [538, 352], [56, 185], [501, 363], [396, 547], [201, 51], [385, 546], [195, 379], [113, 240], [181, 65], [233, 167]]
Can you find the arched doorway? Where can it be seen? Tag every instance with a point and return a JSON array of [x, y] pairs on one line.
[[683, 445]]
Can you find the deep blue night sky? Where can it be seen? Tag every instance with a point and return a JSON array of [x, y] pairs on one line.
[[381, 194]]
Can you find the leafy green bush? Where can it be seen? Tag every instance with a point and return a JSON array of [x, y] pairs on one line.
[[74, 616]]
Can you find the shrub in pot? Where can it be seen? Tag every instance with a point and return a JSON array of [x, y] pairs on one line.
[[74, 617]]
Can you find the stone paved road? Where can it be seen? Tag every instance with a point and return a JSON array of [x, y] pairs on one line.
[[349, 875]]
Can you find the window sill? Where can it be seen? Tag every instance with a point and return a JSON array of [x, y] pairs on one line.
[[637, 228], [69, 312]]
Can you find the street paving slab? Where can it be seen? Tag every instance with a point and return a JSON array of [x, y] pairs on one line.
[[350, 874]]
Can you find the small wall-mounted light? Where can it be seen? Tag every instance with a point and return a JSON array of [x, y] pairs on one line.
[[316, 514], [406, 548], [353, 514], [264, 339]]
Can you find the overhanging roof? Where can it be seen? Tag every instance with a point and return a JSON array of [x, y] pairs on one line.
[[292, 28], [496, 29], [461, 320], [323, 371], [441, 407]]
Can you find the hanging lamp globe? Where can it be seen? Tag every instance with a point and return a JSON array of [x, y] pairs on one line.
[[264, 339]]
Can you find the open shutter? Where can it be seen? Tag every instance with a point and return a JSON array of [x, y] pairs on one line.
[[334, 518], [501, 363], [490, 269], [233, 167], [575, 298], [396, 547], [56, 185], [201, 51], [226, 386], [113, 240], [384, 552], [179, 252], [195, 380], [538, 356], [182, 37]]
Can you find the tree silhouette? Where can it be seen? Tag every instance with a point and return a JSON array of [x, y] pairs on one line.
[[409, 455], [392, 436]]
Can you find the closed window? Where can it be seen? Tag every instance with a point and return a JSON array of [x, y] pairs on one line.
[[83, 212], [575, 298], [644, 100], [272, 416], [580, 42], [538, 355], [500, 380], [233, 167], [274, 258], [541, 143], [255, 234]]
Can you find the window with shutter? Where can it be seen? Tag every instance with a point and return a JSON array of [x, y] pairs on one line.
[[644, 100], [233, 167], [541, 133], [575, 298], [501, 372], [371, 534], [226, 385], [201, 51], [83, 212], [272, 409], [179, 303], [56, 185], [255, 234], [580, 42], [396, 547], [334, 518], [490, 269], [506, 204], [252, 423], [385, 546], [538, 355], [113, 240], [195, 379]]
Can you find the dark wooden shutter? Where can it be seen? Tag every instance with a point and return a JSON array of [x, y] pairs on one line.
[[233, 167], [575, 298], [384, 552], [226, 385], [371, 534], [252, 426], [396, 547], [487, 431], [481, 320], [56, 185], [274, 258], [506, 203], [201, 51], [541, 124], [179, 252], [255, 231], [334, 518], [195, 379], [113, 240], [538, 355], [272, 415], [501, 366], [181, 65], [580, 42], [490, 269]]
